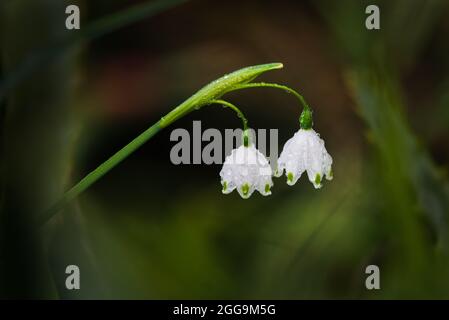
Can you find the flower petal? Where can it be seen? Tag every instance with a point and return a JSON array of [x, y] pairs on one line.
[[305, 151], [246, 169]]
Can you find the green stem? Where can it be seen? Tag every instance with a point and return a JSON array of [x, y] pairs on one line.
[[233, 107], [240, 115], [305, 119], [276, 86], [100, 171]]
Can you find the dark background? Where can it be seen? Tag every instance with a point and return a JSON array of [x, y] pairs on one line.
[[150, 229]]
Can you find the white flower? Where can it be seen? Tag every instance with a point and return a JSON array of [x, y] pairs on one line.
[[305, 151], [246, 169]]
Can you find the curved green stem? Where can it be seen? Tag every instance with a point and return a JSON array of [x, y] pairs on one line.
[[233, 107], [240, 115], [305, 120], [276, 86]]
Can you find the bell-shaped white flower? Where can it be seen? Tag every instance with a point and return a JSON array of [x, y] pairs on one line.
[[246, 169], [305, 151]]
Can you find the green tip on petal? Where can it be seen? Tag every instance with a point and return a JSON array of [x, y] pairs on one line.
[[225, 186], [318, 180], [245, 189], [290, 177], [267, 188], [330, 175]]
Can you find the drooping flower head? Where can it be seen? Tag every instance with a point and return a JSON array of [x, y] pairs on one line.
[[246, 169], [305, 152]]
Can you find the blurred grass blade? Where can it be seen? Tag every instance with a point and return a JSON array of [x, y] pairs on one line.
[[41, 58], [404, 160]]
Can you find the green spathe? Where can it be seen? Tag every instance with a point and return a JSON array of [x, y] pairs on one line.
[[217, 88]]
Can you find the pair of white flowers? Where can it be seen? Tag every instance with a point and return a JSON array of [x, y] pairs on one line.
[[247, 169]]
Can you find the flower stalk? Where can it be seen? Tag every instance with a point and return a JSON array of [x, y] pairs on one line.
[[240, 115]]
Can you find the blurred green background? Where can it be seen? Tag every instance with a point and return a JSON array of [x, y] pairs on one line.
[[153, 230]]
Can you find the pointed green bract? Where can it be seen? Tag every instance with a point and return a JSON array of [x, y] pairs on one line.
[[218, 88]]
